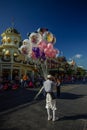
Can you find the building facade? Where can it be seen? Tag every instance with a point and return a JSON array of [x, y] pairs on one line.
[[12, 62]]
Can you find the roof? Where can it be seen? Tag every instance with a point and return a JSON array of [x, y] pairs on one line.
[[11, 30]]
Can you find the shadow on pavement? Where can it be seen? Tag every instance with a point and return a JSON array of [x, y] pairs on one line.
[[74, 117], [10, 129], [20, 97], [65, 95]]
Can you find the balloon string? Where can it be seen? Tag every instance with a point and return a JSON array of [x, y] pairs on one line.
[[44, 69]]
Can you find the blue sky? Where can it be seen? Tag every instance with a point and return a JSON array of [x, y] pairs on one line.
[[66, 19]]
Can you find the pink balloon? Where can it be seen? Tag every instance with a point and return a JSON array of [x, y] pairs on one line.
[[54, 51], [50, 50], [49, 46], [45, 50], [43, 44], [33, 55], [40, 47], [53, 55], [47, 54]]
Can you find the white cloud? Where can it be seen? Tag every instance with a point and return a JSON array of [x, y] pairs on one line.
[[78, 56], [80, 60]]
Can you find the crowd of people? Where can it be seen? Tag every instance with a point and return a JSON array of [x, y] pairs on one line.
[[27, 81], [23, 81]]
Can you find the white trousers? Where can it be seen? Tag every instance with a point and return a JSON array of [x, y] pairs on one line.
[[50, 105]]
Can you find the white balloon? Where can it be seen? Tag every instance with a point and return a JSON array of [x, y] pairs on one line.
[[26, 47], [35, 39], [26, 41]]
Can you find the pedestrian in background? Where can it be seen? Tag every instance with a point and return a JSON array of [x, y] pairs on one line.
[[58, 87]]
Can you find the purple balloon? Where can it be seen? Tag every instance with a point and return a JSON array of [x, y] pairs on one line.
[[33, 49], [43, 56], [37, 54], [36, 49]]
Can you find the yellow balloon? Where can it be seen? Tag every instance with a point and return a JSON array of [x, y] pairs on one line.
[[49, 37]]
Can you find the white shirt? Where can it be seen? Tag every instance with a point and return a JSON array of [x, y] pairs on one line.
[[48, 85]]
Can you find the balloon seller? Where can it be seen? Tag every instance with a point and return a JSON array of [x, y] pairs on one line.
[[49, 86]]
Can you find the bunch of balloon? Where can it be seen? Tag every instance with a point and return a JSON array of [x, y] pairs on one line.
[[40, 47]]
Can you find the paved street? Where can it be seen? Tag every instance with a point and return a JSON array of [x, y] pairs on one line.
[[18, 110]]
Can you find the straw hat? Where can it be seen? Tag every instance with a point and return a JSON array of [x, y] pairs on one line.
[[49, 76]]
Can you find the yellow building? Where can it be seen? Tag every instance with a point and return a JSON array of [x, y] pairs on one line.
[[12, 62]]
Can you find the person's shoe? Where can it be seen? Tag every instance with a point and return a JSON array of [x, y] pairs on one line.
[[49, 118], [55, 119]]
